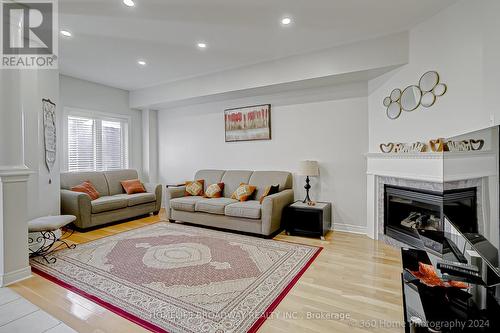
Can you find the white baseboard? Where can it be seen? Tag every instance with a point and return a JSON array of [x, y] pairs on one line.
[[16, 276], [355, 229]]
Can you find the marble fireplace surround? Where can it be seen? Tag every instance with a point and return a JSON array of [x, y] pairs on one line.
[[425, 171]]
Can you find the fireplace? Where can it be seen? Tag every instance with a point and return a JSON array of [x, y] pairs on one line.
[[408, 209]]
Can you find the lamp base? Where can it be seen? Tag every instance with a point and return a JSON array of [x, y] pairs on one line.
[[307, 187]]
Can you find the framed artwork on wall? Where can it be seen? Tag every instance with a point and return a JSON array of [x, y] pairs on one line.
[[248, 123]]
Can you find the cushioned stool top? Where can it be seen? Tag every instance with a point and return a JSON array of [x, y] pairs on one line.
[[49, 223]]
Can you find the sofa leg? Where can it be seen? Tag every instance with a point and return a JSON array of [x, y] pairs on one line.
[[171, 221], [156, 213]]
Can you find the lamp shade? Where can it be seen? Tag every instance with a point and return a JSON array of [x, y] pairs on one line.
[[309, 168]]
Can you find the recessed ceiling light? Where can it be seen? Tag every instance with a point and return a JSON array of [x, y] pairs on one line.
[[286, 20], [66, 33], [129, 3], [141, 62], [202, 45]]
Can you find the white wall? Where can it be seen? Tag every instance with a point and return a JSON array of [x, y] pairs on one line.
[[491, 55], [81, 94], [334, 132], [43, 198], [11, 141], [462, 44]]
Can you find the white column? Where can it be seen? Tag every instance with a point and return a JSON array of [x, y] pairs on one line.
[[150, 145], [153, 146], [14, 263], [145, 145]]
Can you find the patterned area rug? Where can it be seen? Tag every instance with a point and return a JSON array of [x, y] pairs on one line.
[[175, 278]]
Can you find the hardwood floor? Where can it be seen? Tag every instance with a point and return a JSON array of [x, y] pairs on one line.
[[353, 286]]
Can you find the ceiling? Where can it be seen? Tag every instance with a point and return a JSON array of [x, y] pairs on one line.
[[108, 37]]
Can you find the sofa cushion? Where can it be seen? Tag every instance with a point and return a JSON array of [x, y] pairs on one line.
[[248, 209], [70, 179], [185, 203], [105, 204], [209, 176], [232, 180], [213, 206], [114, 178], [263, 179], [140, 198]]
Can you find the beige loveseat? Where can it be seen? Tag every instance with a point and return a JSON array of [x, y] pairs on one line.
[[113, 205], [226, 213]]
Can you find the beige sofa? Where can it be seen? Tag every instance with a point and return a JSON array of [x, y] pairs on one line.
[[113, 205], [226, 213]]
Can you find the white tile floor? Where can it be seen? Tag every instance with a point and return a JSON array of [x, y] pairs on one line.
[[19, 315]]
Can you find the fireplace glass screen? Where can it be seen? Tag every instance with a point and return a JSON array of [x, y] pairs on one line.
[[407, 210]]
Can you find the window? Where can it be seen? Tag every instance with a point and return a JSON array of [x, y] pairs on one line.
[[96, 143]]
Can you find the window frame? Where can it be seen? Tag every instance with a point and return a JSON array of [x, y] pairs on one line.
[[125, 121]]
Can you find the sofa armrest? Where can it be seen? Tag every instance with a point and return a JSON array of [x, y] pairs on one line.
[[77, 204], [172, 193], [157, 190], [272, 208]]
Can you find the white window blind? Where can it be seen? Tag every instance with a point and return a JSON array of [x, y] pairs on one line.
[[95, 144]]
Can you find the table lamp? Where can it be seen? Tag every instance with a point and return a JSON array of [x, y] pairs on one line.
[[308, 169]]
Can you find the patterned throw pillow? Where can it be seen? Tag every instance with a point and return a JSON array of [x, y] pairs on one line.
[[133, 186], [243, 192], [273, 189], [214, 191], [88, 188], [194, 188]]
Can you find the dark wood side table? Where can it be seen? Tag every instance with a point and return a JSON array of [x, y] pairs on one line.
[[304, 220]]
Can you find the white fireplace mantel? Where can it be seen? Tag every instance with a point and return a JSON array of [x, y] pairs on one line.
[[425, 167], [430, 166]]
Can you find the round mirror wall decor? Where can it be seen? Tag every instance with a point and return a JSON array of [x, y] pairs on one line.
[[393, 110], [411, 97], [387, 101], [428, 99], [395, 95], [424, 94], [428, 81], [440, 89]]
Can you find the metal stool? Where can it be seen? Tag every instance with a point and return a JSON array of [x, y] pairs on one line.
[[47, 226]]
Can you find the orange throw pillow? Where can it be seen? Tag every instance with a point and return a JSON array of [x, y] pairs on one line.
[[243, 192], [214, 191], [88, 188], [194, 188], [133, 186]]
